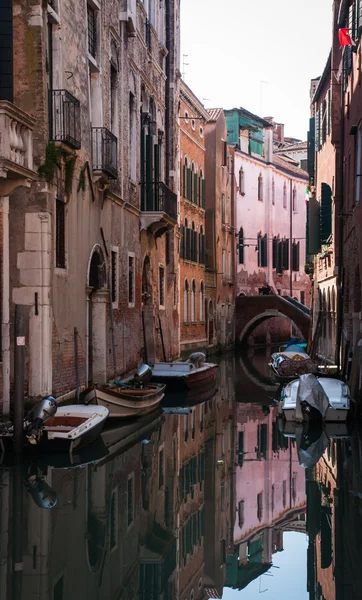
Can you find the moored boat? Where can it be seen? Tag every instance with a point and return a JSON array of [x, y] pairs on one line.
[[125, 402], [194, 374], [311, 398], [289, 364]]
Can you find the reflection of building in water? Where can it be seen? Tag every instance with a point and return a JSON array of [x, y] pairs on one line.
[[206, 492], [270, 493], [334, 492], [132, 526]]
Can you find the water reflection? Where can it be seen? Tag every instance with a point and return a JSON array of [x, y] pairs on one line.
[[186, 507]]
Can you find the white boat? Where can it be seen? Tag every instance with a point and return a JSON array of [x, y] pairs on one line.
[[315, 398], [194, 375], [72, 427]]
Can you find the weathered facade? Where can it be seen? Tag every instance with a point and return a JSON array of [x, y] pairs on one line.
[[220, 232], [193, 117], [90, 247]]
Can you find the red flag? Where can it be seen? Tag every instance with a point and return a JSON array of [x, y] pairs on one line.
[[344, 37]]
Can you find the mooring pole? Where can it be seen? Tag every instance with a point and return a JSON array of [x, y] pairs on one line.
[[18, 532], [19, 378], [76, 358]]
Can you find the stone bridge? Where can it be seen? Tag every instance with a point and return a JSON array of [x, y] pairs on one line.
[[253, 310]]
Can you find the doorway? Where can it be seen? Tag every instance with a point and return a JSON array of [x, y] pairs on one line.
[[97, 314]]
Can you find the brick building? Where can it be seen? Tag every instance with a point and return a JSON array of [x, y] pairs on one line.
[[193, 117], [220, 232], [90, 245]]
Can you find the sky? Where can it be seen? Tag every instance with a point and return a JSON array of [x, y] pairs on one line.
[[289, 580], [234, 45]]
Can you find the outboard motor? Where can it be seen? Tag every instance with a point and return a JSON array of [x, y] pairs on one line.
[[37, 417], [143, 376], [42, 494], [197, 359]]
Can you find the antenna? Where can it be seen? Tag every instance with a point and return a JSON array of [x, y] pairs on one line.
[[261, 96], [184, 64]]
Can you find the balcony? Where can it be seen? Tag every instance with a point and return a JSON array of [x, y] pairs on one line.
[[16, 148], [159, 208], [65, 115], [104, 151]]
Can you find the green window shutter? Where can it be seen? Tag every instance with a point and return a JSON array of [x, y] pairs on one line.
[[265, 250], [326, 214], [198, 190], [259, 250], [203, 193], [275, 252], [317, 147], [311, 149], [194, 189], [285, 255]]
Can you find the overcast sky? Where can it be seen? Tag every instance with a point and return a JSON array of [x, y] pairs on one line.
[[234, 45]]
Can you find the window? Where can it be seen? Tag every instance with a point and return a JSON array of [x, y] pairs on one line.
[[193, 301], [60, 234], [260, 506], [130, 500], [114, 94], [58, 589], [161, 469], [223, 208], [225, 153], [92, 30], [114, 276], [302, 297], [186, 114], [162, 286], [260, 188], [241, 246], [295, 256], [132, 136], [223, 264], [241, 517], [113, 520], [284, 493], [201, 132], [241, 182], [186, 301], [285, 195], [326, 213], [273, 191], [295, 207], [131, 280], [262, 250], [202, 301], [193, 124], [324, 121]]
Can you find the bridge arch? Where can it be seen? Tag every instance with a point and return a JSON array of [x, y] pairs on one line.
[[255, 321]]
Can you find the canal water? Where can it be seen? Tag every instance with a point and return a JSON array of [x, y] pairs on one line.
[[213, 504]]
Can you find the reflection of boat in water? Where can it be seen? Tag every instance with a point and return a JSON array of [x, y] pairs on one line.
[[311, 398], [185, 397]]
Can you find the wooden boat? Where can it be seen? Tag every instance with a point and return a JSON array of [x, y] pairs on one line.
[[194, 374], [72, 427], [125, 401], [286, 366]]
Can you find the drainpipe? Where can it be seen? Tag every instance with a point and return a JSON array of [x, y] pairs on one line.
[[167, 92], [5, 325], [291, 241], [340, 276]]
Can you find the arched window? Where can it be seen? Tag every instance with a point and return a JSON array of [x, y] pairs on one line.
[[202, 301], [273, 191], [186, 301], [241, 246], [260, 188], [241, 182], [295, 199], [285, 195], [193, 301]]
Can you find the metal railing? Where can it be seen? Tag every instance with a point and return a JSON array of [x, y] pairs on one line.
[[65, 118], [104, 151], [157, 197]]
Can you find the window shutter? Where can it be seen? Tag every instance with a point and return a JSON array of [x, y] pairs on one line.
[[265, 251], [182, 241], [195, 245], [241, 247], [275, 252], [194, 189], [188, 244], [326, 213], [203, 193], [198, 187], [317, 147], [285, 257], [259, 250], [203, 249], [329, 112]]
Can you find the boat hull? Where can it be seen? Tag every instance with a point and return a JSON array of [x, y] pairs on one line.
[[202, 379], [333, 415], [120, 405]]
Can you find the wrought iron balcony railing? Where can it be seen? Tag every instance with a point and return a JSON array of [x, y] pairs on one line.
[[157, 197], [104, 149], [65, 118]]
